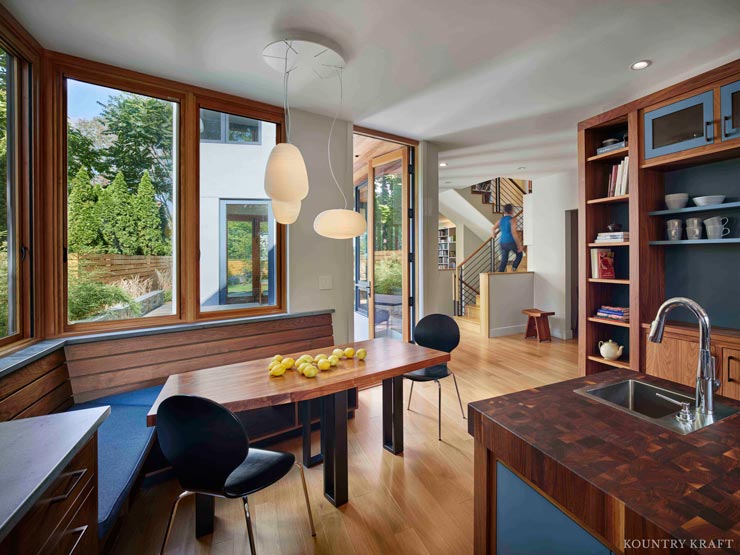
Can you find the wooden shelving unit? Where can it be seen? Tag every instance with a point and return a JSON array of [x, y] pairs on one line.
[[611, 155], [609, 200], [446, 248], [616, 244], [615, 363], [609, 322], [612, 281]]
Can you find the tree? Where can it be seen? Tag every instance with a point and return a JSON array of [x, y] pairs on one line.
[[118, 217], [148, 219], [83, 217]]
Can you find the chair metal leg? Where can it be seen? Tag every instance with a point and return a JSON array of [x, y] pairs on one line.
[[250, 532], [180, 497], [439, 410], [459, 400], [308, 501], [410, 394]]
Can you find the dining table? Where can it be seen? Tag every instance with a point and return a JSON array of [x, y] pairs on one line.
[[248, 385]]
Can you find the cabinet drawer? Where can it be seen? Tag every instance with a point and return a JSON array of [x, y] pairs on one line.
[[79, 535], [730, 111], [61, 499], [730, 373]]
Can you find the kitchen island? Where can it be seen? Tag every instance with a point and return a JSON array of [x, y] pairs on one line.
[[557, 472]]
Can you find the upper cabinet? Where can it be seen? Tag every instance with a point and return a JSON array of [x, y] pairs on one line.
[[730, 110], [682, 125]]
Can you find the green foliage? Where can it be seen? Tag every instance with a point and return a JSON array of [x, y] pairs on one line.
[[388, 277], [82, 154], [83, 218], [148, 219], [87, 297], [118, 218], [4, 300], [4, 59]]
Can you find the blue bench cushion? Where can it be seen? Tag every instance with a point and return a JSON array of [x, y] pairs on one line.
[[140, 397]]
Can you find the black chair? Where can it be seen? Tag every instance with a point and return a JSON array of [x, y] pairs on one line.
[[440, 332], [209, 452]]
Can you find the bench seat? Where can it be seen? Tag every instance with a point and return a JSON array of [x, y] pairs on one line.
[[124, 441]]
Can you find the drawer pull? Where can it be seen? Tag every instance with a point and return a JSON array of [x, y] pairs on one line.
[[708, 131], [729, 367], [80, 532], [78, 474]]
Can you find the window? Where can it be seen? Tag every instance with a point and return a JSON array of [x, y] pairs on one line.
[[229, 128], [240, 241], [9, 247], [121, 204]]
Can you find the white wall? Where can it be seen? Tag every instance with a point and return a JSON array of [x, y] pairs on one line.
[[551, 197], [508, 295], [309, 254]]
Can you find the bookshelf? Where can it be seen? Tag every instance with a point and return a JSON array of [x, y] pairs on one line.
[[446, 247]]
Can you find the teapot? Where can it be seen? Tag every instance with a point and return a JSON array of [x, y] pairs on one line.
[[610, 350]]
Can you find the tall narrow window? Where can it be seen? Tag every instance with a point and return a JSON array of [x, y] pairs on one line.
[[9, 301], [239, 246], [121, 204]]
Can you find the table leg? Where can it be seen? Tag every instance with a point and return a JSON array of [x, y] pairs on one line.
[[393, 414], [334, 447], [205, 505], [304, 408]]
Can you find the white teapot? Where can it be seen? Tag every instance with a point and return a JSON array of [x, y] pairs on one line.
[[610, 350]]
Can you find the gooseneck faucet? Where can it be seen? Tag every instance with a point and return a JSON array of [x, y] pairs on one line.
[[706, 381]]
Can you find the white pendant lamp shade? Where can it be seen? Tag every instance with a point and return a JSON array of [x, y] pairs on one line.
[[286, 212], [286, 179], [340, 223]]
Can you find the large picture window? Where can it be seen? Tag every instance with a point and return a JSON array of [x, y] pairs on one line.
[[239, 244], [121, 204]]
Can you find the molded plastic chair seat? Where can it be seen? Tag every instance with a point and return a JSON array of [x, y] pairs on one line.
[[430, 374], [260, 469]]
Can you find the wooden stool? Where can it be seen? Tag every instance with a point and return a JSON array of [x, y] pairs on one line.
[[537, 324]]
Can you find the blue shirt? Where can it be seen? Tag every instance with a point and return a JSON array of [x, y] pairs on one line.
[[505, 227]]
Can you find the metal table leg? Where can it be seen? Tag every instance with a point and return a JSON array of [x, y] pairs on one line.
[[393, 414], [334, 447], [309, 460]]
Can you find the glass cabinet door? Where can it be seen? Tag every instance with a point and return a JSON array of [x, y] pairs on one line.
[[682, 125], [730, 101]]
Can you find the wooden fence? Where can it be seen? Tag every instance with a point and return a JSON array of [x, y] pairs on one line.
[[109, 268]]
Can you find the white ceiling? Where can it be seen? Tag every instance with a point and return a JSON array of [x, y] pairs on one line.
[[499, 84]]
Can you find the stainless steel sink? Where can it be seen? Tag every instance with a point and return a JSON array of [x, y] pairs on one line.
[[643, 401]]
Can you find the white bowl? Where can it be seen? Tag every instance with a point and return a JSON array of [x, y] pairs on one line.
[[709, 200], [676, 201]]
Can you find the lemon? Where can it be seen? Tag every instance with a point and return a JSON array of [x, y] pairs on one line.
[[311, 372], [349, 352], [319, 357], [324, 364], [278, 370], [273, 364], [333, 360], [278, 358], [288, 362], [308, 358], [339, 353], [361, 354], [303, 366]]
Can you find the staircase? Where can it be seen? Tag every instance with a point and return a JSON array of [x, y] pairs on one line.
[[486, 258]]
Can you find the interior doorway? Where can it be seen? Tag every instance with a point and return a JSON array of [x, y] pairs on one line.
[[383, 257], [571, 271]]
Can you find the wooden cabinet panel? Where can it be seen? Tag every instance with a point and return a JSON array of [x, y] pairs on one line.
[[673, 359], [729, 374]]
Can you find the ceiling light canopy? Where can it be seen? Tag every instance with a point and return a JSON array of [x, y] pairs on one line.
[[443, 164], [642, 64]]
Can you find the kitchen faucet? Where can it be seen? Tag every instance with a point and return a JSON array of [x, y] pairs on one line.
[[706, 381]]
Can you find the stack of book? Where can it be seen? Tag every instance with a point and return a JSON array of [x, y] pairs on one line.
[[619, 179], [613, 237], [618, 313], [602, 263]]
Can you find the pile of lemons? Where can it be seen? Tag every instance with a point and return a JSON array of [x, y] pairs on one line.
[[310, 366]]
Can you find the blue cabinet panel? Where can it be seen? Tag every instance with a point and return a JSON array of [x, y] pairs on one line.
[[730, 110], [682, 125], [528, 524]]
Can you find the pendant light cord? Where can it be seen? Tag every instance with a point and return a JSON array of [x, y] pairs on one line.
[[331, 131], [286, 104]]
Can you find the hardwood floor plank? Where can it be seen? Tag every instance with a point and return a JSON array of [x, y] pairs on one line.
[[418, 502]]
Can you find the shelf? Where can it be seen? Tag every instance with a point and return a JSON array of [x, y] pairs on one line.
[[615, 363], [619, 153], [609, 200], [608, 322], [694, 209], [726, 241], [614, 281], [617, 244]]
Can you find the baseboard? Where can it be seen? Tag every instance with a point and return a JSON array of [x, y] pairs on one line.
[[506, 330]]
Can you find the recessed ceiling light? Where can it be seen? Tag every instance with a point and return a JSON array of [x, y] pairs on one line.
[[642, 64], [520, 168], [443, 164]]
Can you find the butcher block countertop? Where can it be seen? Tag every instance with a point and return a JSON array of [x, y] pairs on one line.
[[620, 477]]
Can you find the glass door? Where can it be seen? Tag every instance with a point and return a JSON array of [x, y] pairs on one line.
[[388, 246], [362, 279]]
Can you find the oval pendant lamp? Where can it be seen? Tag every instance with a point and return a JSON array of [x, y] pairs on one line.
[[339, 223], [286, 212]]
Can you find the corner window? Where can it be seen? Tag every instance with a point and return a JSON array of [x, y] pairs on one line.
[[229, 128], [121, 204], [240, 242]]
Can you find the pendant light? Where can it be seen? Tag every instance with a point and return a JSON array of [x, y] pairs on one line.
[[339, 223], [286, 178]]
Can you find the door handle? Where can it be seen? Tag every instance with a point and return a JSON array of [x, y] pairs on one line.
[[731, 130], [729, 367], [708, 131], [24, 252], [78, 474]]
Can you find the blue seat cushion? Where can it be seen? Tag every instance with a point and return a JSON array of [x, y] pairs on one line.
[[140, 397], [124, 441]]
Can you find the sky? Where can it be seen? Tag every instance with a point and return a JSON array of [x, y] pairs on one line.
[[83, 98]]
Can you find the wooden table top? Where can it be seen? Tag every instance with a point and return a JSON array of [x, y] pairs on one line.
[[248, 385]]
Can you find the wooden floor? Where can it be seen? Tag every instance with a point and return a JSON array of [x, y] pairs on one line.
[[418, 502]]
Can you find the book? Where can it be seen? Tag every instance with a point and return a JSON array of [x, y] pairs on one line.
[[602, 263], [609, 148]]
